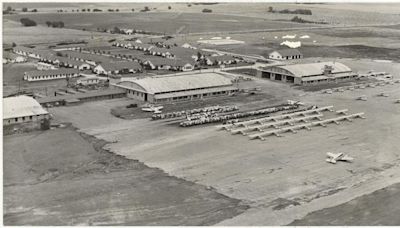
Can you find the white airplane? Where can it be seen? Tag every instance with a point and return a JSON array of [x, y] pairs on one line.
[[291, 102], [362, 98], [151, 108], [333, 158]]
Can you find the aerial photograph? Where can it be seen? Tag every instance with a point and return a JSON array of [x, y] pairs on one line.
[[201, 113]]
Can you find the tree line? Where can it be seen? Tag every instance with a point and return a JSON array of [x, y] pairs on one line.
[[287, 11]]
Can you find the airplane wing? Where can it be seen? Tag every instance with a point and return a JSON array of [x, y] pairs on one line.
[[333, 161], [346, 158]]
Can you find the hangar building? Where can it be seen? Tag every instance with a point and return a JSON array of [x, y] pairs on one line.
[[308, 73], [22, 109], [177, 87]]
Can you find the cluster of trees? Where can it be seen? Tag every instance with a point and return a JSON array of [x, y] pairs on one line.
[[27, 22], [301, 20], [112, 10], [206, 11], [146, 8], [97, 10], [8, 10], [55, 24], [287, 11]]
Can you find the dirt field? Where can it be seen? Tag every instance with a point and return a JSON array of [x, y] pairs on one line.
[[61, 177], [277, 177], [378, 209]]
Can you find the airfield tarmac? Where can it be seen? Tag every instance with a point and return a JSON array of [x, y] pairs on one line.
[[282, 179]]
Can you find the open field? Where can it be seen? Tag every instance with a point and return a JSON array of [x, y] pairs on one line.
[[378, 209], [155, 22], [273, 176], [14, 32], [75, 182], [343, 13]]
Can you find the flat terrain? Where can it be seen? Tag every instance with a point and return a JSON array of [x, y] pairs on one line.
[[276, 177], [62, 177], [377, 209], [182, 22]]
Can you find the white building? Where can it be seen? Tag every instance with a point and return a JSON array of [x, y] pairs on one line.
[[286, 54], [22, 109], [42, 75]]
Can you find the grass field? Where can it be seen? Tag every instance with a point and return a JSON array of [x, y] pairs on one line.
[[61, 177], [156, 22], [14, 32]]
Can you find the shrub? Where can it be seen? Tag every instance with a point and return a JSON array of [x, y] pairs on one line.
[[27, 22]]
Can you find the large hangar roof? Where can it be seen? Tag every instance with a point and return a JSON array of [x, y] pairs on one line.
[[21, 106], [310, 69], [165, 84]]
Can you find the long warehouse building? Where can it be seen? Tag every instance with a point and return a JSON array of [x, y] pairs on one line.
[[308, 73], [177, 87]]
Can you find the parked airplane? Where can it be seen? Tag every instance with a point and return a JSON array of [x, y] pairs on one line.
[[333, 158], [152, 108]]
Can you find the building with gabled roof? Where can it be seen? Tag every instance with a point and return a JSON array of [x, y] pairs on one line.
[[115, 68], [174, 88], [286, 54], [42, 75]]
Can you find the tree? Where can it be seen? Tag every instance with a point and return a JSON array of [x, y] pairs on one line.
[[48, 23], [207, 11], [116, 30], [83, 10], [169, 7], [88, 10], [34, 10], [24, 9], [73, 10], [117, 10], [9, 8], [270, 9], [59, 54], [13, 44], [97, 10], [146, 8], [27, 22], [133, 10]]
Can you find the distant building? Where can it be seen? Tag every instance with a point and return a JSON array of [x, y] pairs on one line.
[[186, 45], [9, 57], [308, 73], [158, 63], [116, 68], [177, 88], [45, 66], [22, 109], [286, 54], [220, 60], [89, 80], [41, 75]]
